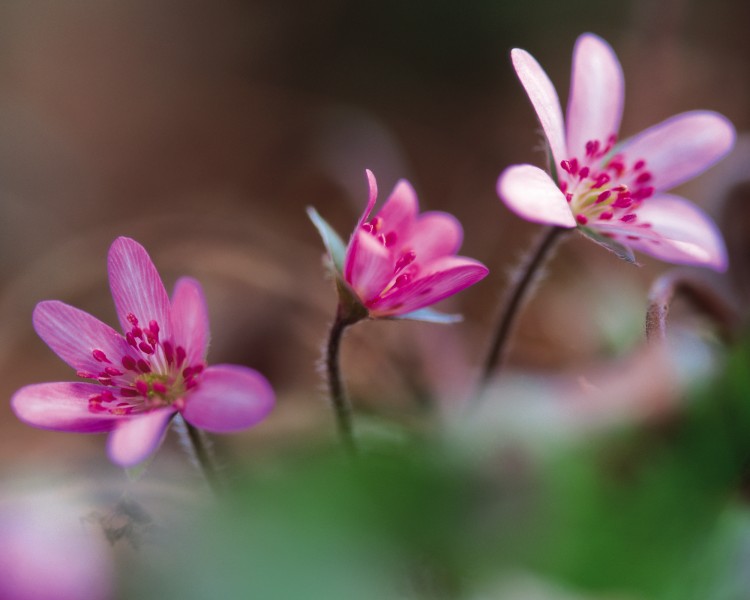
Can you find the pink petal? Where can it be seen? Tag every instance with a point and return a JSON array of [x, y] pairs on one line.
[[544, 99], [137, 287], [372, 197], [61, 406], [435, 234], [400, 210], [443, 278], [681, 147], [680, 233], [229, 398], [190, 319], [135, 438], [531, 194], [74, 335], [597, 91], [368, 267]]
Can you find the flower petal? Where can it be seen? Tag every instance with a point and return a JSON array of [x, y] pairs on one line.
[[531, 194], [137, 287], [442, 278], [134, 439], [74, 335], [368, 267], [400, 210], [544, 99], [435, 234], [596, 94], [679, 232], [61, 406], [229, 398], [681, 147], [190, 319]]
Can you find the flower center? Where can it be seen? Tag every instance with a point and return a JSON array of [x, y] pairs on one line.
[[602, 187], [404, 267], [153, 374]]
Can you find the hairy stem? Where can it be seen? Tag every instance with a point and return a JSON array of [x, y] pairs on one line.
[[203, 455], [341, 407], [527, 273], [700, 295]]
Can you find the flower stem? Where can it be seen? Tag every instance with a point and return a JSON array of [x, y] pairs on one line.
[[203, 455], [700, 295], [527, 272], [341, 407]]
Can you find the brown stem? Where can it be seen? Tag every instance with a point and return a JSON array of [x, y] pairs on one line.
[[527, 273], [341, 407], [702, 297]]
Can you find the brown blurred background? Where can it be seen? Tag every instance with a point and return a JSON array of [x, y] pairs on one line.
[[204, 129]]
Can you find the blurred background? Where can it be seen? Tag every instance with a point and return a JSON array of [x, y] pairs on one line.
[[204, 130]]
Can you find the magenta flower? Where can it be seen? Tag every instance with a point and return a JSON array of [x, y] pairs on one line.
[[139, 381], [398, 262], [614, 192]]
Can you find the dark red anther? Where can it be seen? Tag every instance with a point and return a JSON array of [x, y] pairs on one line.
[[142, 387], [131, 340], [85, 375], [104, 380], [563, 186], [402, 279], [644, 177], [146, 348], [582, 219], [129, 363], [190, 383], [643, 193], [639, 164], [603, 196], [180, 354], [629, 218], [187, 372], [405, 260], [565, 165], [154, 327], [584, 172], [601, 180], [168, 352], [143, 366], [592, 147], [198, 368], [137, 332], [159, 387], [569, 197], [606, 215], [112, 371], [129, 392], [95, 404], [573, 166], [99, 356], [390, 239], [367, 227], [131, 319]]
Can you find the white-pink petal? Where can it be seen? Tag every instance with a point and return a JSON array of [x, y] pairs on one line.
[[679, 233], [229, 398], [597, 92], [681, 147], [74, 335], [544, 99], [137, 287], [190, 319], [530, 193], [61, 406], [136, 438], [368, 267]]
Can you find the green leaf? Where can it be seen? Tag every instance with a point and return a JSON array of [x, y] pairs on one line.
[[333, 243], [430, 316], [620, 250]]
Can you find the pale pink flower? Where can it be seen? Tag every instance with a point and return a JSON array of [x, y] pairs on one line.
[[398, 262], [614, 191], [138, 381]]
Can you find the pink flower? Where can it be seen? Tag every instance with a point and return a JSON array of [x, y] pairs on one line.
[[140, 380], [614, 192], [399, 262]]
